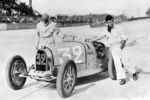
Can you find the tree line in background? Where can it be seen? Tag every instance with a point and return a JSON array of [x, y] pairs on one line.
[[14, 11], [85, 19], [95, 18], [11, 7]]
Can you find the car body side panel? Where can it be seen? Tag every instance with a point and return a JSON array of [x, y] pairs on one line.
[[83, 54], [68, 50], [91, 58]]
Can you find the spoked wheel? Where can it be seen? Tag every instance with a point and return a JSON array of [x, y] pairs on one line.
[[16, 66], [66, 79]]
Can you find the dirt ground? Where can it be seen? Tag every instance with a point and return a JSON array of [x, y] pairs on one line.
[[95, 87]]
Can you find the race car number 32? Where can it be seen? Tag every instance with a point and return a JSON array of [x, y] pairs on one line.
[[73, 53]]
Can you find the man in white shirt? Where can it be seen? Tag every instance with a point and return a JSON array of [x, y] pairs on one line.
[[46, 30], [114, 38]]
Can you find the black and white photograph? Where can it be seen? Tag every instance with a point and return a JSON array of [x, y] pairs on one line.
[[74, 49]]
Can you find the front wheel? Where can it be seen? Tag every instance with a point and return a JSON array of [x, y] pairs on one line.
[[66, 79], [16, 66]]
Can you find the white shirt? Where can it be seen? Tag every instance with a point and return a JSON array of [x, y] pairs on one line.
[[46, 31], [47, 34], [114, 37]]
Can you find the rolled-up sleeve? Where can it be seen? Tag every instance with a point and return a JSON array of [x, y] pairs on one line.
[[122, 35]]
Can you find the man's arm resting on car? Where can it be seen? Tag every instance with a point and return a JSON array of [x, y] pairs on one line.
[[97, 38]]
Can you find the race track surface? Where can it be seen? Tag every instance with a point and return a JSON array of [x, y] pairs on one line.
[[95, 87]]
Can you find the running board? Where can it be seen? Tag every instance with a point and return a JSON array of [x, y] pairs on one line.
[[47, 79]]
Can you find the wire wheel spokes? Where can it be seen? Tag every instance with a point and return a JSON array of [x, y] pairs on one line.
[[69, 78], [18, 68]]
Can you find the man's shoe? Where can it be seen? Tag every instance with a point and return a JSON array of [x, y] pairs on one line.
[[135, 76], [122, 81]]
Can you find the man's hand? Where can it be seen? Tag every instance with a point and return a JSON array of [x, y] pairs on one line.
[[57, 30], [123, 44], [87, 40], [37, 47], [37, 44], [38, 33]]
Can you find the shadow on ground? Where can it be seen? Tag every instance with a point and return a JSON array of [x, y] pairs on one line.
[[139, 71], [80, 81], [90, 79], [132, 43], [143, 72]]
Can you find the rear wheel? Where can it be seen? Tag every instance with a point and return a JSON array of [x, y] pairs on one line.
[[66, 79], [16, 66]]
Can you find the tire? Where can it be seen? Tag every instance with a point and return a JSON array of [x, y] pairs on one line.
[[111, 68], [15, 66], [65, 90]]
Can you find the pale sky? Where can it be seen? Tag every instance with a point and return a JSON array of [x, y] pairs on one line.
[[71, 7]]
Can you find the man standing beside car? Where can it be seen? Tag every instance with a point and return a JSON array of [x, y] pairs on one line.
[[115, 40], [46, 30]]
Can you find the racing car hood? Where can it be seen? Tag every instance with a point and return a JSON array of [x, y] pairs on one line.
[[63, 51]]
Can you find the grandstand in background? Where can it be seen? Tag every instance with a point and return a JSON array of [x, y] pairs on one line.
[[12, 11]]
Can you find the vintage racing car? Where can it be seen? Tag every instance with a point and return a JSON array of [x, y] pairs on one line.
[[62, 63]]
